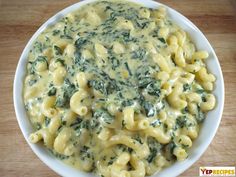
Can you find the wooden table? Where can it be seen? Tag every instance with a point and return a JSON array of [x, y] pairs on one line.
[[19, 19]]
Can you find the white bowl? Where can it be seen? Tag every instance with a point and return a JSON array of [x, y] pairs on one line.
[[207, 131]]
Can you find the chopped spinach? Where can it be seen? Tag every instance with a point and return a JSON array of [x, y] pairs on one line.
[[138, 54], [181, 121], [47, 121], [85, 124], [32, 82], [66, 36], [144, 82], [144, 71], [142, 23], [57, 50], [104, 83], [125, 148], [126, 37], [114, 61], [169, 148], [86, 153], [65, 93], [98, 85], [204, 98], [186, 87], [185, 110], [94, 124], [108, 8], [59, 156], [155, 123], [77, 123], [52, 91], [138, 138], [104, 116], [79, 43], [55, 32], [127, 102], [60, 61], [154, 88], [42, 59], [39, 59], [80, 124], [154, 148], [112, 160], [200, 91], [38, 47], [162, 40], [200, 117], [128, 69], [149, 108], [38, 126]]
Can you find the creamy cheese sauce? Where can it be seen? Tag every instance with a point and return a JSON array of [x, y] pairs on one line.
[[145, 84]]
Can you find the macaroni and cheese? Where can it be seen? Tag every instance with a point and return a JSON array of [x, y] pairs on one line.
[[117, 89]]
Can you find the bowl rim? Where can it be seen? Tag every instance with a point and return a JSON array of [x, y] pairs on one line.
[[20, 110]]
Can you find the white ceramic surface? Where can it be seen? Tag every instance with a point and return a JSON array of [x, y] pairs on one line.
[[209, 126]]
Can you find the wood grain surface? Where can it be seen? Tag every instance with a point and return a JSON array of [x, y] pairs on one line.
[[19, 19]]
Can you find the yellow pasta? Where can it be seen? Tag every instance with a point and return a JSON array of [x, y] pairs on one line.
[[180, 153], [118, 48], [124, 24], [142, 151], [179, 57], [81, 79], [159, 59], [43, 134], [61, 142], [209, 104], [200, 55], [59, 75], [76, 102], [70, 50], [48, 107], [159, 135], [130, 123], [174, 98]]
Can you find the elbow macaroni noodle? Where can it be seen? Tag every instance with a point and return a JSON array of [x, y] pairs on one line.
[[117, 89]]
